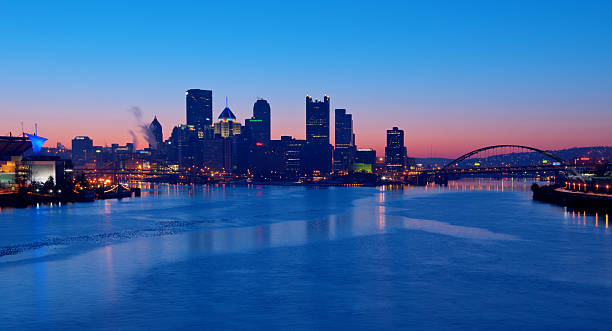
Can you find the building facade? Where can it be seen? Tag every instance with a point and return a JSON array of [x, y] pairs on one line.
[[317, 151], [82, 150], [261, 115], [199, 111], [344, 141], [157, 135], [395, 152]]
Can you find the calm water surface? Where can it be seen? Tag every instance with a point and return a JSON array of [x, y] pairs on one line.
[[476, 255]]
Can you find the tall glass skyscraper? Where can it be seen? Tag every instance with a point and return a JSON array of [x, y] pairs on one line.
[[199, 110], [317, 120], [318, 151], [395, 152], [345, 141], [261, 113]]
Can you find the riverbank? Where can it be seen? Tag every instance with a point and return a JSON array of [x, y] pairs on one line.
[[595, 202], [27, 199]]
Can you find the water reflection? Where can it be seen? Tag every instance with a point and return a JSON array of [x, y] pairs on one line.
[[334, 227], [584, 218]]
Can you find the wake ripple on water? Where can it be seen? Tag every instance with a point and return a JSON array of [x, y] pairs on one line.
[[163, 228]]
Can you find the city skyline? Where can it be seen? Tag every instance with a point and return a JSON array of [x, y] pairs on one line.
[[453, 79]]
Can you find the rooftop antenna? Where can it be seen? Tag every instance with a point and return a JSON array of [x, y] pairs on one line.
[[36, 129], [226, 102]]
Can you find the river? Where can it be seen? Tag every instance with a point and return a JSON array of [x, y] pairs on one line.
[[476, 254]]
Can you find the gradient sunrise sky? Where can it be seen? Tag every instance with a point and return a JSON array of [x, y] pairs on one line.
[[455, 75]]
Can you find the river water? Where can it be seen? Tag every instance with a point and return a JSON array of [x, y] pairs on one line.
[[476, 255]]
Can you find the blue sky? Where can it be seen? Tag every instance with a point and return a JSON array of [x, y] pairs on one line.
[[454, 75]]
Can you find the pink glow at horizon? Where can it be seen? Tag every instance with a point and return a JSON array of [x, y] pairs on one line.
[[423, 137]]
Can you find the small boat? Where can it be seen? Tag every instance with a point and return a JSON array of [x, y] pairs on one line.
[[117, 191]]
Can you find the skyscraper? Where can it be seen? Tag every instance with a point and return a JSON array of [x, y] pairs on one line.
[[395, 152], [318, 151], [261, 113], [345, 141], [227, 126], [317, 120], [157, 139], [199, 110]]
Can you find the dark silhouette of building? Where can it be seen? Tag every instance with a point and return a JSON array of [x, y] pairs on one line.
[[218, 154], [82, 150], [317, 151], [293, 156], [183, 146], [345, 141], [261, 115], [255, 155], [317, 120], [199, 111], [156, 130], [395, 152]]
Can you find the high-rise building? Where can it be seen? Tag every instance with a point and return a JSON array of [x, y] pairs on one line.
[[157, 139], [261, 113], [395, 152], [317, 151], [345, 141], [82, 150], [317, 120], [227, 126], [199, 111]]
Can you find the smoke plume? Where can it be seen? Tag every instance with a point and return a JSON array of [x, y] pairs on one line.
[[143, 128]]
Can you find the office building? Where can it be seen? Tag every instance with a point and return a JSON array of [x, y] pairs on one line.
[[82, 150], [199, 111], [261, 116], [395, 152], [344, 141], [317, 120], [157, 136], [365, 160], [317, 151], [227, 126]]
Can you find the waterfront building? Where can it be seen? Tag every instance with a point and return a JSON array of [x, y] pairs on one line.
[[395, 152], [344, 141], [41, 168], [82, 150], [199, 111]]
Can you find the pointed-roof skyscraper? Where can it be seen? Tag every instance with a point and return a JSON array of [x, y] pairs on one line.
[[157, 134]]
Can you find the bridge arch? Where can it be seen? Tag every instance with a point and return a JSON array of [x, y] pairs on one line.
[[476, 151]]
